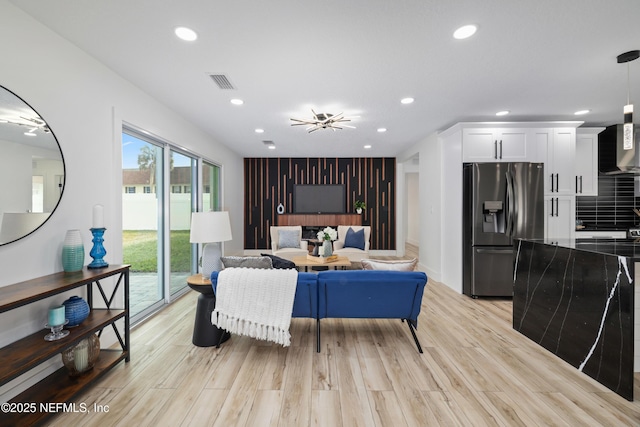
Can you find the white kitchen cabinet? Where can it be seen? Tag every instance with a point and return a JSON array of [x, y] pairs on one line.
[[557, 148], [586, 166], [560, 217], [496, 145]]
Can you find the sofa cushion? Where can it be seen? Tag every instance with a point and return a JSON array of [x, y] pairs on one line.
[[247, 262], [354, 239], [279, 262], [395, 265], [288, 239]]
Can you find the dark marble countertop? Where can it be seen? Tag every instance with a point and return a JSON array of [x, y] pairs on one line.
[[619, 247]]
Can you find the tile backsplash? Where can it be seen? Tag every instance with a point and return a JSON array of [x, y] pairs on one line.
[[614, 203]]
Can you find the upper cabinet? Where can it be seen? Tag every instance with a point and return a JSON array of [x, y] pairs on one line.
[[496, 145], [586, 167], [557, 148]]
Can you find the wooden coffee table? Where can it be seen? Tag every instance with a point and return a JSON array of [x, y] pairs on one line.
[[303, 261]]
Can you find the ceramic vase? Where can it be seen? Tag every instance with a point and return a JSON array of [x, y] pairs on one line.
[[72, 251], [327, 248], [76, 310]]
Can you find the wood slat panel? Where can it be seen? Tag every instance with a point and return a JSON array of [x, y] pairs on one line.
[[270, 181]]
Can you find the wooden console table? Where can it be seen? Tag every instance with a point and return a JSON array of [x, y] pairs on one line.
[[30, 351], [319, 220]]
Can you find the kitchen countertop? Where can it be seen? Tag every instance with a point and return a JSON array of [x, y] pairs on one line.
[[618, 247]]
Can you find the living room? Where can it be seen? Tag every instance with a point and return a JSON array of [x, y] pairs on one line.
[[87, 102]]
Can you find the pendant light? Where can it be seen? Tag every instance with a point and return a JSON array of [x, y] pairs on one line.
[[627, 128]]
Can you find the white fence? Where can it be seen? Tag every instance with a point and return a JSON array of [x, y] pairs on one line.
[[140, 211]]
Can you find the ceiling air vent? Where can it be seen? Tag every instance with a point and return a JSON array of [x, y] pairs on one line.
[[267, 142], [222, 81]]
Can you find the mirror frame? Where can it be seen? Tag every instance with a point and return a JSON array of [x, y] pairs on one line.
[[64, 170]]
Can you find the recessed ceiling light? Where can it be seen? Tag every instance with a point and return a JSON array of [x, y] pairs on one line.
[[367, 146], [186, 34], [581, 112], [237, 101], [502, 113], [407, 100], [271, 147], [465, 32], [259, 130], [381, 130]]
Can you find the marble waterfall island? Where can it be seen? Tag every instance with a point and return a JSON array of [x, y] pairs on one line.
[[576, 299]]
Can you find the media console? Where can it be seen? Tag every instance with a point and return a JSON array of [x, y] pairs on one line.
[[313, 222]]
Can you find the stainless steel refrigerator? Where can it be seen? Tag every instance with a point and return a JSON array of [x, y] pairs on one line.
[[502, 202]]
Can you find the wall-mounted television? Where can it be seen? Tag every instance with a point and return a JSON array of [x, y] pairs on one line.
[[319, 198]]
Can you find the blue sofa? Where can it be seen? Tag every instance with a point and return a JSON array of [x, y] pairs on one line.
[[363, 294]]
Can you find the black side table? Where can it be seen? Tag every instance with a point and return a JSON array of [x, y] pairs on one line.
[[204, 333]]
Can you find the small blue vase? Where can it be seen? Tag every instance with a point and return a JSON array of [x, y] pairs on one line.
[[76, 310]]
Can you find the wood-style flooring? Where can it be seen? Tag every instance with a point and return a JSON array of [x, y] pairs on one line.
[[475, 371]]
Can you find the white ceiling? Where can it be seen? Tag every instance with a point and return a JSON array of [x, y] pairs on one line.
[[540, 59]]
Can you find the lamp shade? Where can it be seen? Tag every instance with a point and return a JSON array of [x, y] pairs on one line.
[[209, 227]]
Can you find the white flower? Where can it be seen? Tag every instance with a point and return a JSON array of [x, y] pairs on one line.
[[327, 234]]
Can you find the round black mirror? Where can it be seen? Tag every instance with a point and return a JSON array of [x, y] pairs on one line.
[[31, 168]]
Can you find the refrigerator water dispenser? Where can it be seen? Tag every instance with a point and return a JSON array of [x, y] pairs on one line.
[[493, 213]]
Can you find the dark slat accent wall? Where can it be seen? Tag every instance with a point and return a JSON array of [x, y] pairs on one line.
[[269, 181]]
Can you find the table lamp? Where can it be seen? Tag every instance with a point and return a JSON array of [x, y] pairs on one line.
[[210, 228]]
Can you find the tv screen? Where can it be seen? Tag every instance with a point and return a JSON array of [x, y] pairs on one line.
[[319, 198]]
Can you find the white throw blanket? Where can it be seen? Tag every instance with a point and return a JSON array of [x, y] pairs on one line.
[[256, 302]]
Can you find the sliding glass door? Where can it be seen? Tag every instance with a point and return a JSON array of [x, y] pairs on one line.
[[161, 187], [142, 222], [181, 203]]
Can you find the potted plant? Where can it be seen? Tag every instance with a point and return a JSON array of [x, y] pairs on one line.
[[359, 205]]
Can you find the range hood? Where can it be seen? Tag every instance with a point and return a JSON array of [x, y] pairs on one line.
[[613, 159]]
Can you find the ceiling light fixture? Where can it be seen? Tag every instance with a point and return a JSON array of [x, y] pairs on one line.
[[627, 129], [271, 147], [582, 112], [259, 130], [382, 130], [367, 147], [502, 113], [407, 100], [186, 34], [464, 32], [324, 121], [237, 101]]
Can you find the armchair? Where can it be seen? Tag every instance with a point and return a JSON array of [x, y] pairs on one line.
[[286, 241], [350, 250]]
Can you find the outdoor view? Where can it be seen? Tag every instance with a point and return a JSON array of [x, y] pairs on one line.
[[143, 216]]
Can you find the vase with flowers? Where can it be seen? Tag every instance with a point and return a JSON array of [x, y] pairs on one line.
[[326, 236]]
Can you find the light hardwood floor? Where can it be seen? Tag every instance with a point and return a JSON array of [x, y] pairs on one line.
[[475, 371]]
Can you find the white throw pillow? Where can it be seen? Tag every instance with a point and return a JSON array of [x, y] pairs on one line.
[[395, 265]]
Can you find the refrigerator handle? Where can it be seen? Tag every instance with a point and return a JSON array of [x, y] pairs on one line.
[[509, 214], [495, 149], [500, 149]]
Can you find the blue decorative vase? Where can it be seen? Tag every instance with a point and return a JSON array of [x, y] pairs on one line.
[[72, 251], [76, 310]]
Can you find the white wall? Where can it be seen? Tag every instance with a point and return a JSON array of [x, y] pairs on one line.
[[85, 104], [412, 232], [430, 193]]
